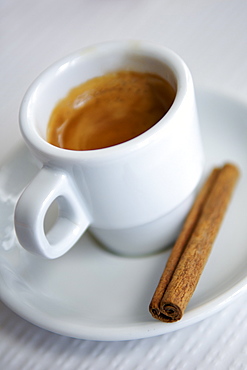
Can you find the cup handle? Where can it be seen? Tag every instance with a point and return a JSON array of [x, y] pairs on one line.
[[33, 205]]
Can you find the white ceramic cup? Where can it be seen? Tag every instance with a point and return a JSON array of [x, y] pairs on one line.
[[133, 196]]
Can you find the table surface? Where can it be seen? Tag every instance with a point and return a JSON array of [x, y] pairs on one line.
[[211, 37]]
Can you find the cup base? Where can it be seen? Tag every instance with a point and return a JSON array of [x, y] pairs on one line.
[[146, 239]]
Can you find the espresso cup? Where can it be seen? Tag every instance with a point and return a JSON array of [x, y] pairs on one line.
[[133, 196]]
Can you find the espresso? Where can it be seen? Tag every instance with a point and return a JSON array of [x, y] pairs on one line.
[[109, 110]]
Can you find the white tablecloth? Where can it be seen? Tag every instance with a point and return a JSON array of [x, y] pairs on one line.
[[211, 36]]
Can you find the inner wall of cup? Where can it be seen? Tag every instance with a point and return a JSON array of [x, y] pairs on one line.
[[58, 80]]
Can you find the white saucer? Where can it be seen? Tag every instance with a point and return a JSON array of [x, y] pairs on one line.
[[92, 294]]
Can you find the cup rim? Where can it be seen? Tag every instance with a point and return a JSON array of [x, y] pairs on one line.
[[37, 143]]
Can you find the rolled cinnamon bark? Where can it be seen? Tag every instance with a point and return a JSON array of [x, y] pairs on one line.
[[193, 246]]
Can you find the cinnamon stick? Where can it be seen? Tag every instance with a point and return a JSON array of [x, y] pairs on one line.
[[193, 246]]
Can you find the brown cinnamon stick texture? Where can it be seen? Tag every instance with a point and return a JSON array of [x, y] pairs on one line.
[[193, 246]]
